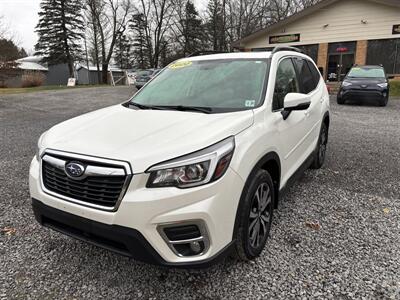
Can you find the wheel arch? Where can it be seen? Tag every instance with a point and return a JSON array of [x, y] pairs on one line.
[[271, 163]]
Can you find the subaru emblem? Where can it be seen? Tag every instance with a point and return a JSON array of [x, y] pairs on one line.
[[74, 169]]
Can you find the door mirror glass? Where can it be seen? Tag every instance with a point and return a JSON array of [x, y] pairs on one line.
[[296, 101]]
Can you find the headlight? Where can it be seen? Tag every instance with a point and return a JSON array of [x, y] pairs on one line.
[[346, 83], [383, 85], [195, 169], [40, 149]]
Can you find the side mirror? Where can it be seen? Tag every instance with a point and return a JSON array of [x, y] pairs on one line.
[[295, 102]]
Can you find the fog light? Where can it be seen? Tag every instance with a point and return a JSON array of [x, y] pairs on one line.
[[186, 238], [195, 247]]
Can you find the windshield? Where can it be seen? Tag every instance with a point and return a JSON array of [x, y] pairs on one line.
[[144, 73], [226, 85], [367, 72]]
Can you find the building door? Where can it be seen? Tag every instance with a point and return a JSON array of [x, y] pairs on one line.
[[333, 67], [341, 57], [339, 65]]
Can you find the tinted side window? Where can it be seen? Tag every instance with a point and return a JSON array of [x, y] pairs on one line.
[[315, 72], [286, 82], [307, 82]]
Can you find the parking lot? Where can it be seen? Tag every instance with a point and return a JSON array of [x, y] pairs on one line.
[[336, 234]]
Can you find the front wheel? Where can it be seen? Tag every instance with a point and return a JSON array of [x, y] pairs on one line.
[[339, 100], [384, 101], [255, 216], [320, 151]]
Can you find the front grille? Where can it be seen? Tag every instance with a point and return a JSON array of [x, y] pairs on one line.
[[101, 190], [363, 95]]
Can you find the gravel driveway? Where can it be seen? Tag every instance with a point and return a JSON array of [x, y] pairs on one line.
[[336, 234]]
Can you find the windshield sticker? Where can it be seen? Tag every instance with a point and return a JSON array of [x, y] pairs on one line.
[[250, 103], [180, 64]]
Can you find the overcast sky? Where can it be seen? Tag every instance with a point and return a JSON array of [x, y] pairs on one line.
[[22, 17]]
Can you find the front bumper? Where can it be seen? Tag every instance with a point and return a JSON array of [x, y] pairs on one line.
[[363, 95], [122, 240], [141, 212]]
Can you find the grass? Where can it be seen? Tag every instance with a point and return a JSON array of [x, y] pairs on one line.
[[7, 91], [395, 88]]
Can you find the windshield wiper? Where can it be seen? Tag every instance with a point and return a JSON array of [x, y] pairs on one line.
[[142, 106], [206, 110]]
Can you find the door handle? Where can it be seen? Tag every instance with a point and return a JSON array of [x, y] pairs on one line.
[[307, 113]]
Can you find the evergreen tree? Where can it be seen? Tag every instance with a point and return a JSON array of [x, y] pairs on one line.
[[192, 31], [122, 54], [9, 51], [60, 30], [141, 46]]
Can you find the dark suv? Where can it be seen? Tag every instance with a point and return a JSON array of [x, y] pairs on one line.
[[364, 83], [144, 76]]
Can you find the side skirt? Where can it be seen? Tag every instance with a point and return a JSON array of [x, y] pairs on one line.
[[296, 176]]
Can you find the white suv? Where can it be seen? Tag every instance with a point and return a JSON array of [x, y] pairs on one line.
[[191, 168]]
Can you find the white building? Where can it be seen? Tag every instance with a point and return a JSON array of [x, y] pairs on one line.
[[338, 34]]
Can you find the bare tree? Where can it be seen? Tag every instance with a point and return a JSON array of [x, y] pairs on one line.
[[158, 18], [92, 15], [245, 17], [3, 28], [110, 18]]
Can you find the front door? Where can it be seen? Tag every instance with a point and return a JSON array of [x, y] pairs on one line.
[[293, 129]]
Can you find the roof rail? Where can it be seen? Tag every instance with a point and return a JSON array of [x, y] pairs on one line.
[[205, 52], [285, 48]]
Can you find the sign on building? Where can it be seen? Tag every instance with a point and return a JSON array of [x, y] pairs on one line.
[[396, 29], [282, 39]]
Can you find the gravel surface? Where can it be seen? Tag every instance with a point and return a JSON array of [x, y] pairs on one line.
[[336, 235]]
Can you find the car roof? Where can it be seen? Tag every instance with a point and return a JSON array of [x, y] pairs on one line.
[[233, 55]]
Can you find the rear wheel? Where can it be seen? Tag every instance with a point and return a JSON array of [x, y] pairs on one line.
[[320, 152], [255, 216]]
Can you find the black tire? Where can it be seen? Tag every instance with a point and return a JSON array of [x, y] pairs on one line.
[[254, 213], [339, 100], [320, 151], [384, 101]]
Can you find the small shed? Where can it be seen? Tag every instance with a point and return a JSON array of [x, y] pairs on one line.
[[90, 76]]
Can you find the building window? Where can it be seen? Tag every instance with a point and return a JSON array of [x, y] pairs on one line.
[[386, 53], [262, 49], [310, 50]]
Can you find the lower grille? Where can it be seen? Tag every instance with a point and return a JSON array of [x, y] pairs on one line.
[[94, 189], [363, 95]]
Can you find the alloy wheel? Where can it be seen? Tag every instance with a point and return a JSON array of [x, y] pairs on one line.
[[260, 217]]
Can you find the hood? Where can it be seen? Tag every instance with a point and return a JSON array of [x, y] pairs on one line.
[[143, 137]]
